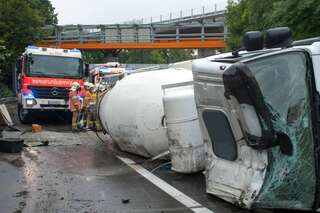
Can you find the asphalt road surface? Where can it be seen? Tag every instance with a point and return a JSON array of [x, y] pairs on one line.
[[90, 177]]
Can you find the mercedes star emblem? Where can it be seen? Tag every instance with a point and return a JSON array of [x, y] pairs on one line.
[[54, 91]]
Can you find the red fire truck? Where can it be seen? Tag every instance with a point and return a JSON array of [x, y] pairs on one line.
[[43, 78]]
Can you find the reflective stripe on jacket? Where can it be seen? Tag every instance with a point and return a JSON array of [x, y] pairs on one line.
[[74, 101]]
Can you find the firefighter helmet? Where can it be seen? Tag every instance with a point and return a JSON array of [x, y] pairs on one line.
[[75, 85], [86, 84]]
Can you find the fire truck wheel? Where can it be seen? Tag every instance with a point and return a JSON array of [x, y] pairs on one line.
[[24, 118]]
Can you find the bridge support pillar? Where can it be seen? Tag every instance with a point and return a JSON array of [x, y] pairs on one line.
[[202, 32], [151, 33], [177, 34], [102, 34], [58, 32]]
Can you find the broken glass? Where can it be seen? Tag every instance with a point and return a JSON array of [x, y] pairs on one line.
[[290, 180]]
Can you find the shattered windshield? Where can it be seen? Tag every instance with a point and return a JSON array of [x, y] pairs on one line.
[[282, 80], [54, 66]]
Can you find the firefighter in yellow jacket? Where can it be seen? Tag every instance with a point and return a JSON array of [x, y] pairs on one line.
[[89, 107], [75, 104]]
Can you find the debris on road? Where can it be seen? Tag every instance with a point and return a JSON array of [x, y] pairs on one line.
[[36, 128], [125, 201], [45, 138], [11, 145], [5, 118]]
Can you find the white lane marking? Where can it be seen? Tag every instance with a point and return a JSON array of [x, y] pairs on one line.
[[164, 186]]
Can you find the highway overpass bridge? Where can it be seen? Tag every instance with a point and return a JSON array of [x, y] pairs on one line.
[[196, 31]]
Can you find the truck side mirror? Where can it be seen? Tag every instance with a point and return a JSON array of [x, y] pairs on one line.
[[253, 40], [278, 37], [86, 70], [240, 83]]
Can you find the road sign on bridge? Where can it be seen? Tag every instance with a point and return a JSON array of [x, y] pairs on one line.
[[205, 30]]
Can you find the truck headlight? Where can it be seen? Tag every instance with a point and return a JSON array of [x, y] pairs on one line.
[[31, 102]]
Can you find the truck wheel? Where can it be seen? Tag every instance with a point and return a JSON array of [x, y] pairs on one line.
[[24, 118]]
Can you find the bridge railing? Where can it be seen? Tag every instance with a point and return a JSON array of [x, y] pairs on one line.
[[206, 30], [135, 33], [180, 15]]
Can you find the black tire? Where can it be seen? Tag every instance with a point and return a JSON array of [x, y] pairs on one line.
[[24, 118]]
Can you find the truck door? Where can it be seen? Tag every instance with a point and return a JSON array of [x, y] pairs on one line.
[[282, 81]]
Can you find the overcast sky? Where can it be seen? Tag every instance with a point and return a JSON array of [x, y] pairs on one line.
[[118, 11]]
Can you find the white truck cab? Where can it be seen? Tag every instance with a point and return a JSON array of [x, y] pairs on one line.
[[259, 114]]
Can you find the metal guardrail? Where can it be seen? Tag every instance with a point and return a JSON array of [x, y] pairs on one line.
[[6, 100]]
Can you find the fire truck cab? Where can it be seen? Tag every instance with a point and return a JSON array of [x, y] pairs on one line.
[[43, 78]]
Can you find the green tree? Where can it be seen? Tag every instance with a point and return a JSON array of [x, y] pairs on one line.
[[93, 57], [156, 56], [21, 23], [4, 54], [177, 55], [303, 17], [45, 10], [142, 56], [247, 15]]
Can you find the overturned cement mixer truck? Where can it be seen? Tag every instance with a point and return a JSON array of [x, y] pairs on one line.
[[133, 114], [250, 116]]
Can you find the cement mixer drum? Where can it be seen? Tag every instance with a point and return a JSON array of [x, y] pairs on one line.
[[132, 112]]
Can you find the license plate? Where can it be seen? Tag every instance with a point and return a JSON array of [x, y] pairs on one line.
[[55, 102]]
